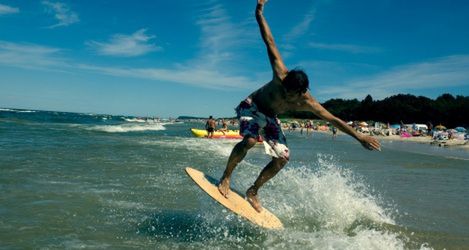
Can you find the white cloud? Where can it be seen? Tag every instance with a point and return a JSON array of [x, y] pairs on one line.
[[442, 72], [220, 37], [132, 45], [216, 65], [32, 56], [198, 77], [350, 48], [302, 27], [297, 31], [5, 9], [62, 13], [29, 55]]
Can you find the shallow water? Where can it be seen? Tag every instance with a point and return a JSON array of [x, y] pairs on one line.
[[92, 181]]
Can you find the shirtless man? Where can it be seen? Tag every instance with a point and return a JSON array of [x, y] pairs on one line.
[[287, 91], [210, 126]]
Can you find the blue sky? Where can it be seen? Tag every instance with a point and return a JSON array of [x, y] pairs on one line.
[[201, 57]]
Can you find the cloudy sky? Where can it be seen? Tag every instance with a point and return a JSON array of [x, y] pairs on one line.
[[201, 57]]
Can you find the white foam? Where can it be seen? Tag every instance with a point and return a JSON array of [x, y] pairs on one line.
[[328, 195], [123, 128], [134, 120], [17, 111], [366, 239], [198, 146], [323, 206]]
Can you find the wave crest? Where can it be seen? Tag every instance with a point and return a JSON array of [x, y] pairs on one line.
[[123, 128]]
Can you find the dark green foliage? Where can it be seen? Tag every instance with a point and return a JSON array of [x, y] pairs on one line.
[[446, 109]]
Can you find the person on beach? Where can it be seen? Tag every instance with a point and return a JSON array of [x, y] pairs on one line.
[[210, 126], [287, 91]]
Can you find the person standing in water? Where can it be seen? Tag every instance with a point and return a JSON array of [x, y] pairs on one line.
[[287, 91], [210, 126]]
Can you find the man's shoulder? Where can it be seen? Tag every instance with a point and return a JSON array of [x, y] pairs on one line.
[[275, 82]]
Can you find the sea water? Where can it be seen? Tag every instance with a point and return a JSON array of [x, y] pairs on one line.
[[72, 180]]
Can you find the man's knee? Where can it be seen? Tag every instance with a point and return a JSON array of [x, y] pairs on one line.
[[283, 161], [280, 162], [246, 144], [249, 142]]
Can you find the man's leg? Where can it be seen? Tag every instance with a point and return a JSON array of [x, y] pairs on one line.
[[267, 173], [237, 155]]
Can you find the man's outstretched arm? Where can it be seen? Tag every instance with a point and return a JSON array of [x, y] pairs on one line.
[[315, 107], [278, 67]]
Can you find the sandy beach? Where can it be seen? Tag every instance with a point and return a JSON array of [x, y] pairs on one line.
[[415, 139], [427, 140]]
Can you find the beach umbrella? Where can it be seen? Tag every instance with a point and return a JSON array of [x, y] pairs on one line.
[[395, 126], [460, 129], [440, 127]]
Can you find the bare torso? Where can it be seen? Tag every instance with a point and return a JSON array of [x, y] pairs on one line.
[[272, 99], [211, 123]]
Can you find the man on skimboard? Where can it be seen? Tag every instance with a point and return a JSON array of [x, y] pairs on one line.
[[287, 91]]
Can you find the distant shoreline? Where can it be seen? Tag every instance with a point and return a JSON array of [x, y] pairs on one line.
[[416, 139], [427, 140]]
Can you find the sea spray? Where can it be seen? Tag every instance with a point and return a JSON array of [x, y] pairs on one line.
[[323, 206]]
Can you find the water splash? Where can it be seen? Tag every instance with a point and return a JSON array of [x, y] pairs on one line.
[[323, 206]]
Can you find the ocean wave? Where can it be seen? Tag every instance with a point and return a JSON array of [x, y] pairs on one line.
[[196, 146], [17, 110], [142, 120], [134, 120], [123, 128]]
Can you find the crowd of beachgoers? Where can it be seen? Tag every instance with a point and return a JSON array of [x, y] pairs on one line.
[[423, 133]]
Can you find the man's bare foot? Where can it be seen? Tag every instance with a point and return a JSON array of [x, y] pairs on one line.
[[251, 196], [224, 187]]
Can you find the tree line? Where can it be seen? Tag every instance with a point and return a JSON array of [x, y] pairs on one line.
[[448, 110]]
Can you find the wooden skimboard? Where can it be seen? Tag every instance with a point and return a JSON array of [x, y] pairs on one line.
[[234, 202]]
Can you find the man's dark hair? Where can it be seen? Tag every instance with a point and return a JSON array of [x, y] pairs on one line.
[[296, 80]]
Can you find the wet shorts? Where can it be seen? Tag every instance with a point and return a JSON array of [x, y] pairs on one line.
[[252, 123]]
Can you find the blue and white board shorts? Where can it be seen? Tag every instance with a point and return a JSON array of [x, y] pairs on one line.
[[252, 122]]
